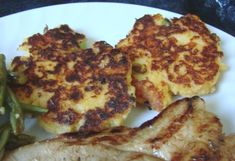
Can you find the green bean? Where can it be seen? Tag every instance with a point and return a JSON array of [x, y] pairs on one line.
[[16, 141], [3, 126], [2, 153], [33, 109], [3, 81], [16, 114], [4, 137]]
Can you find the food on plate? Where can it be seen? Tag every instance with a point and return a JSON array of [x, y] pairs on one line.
[[182, 131], [83, 89], [12, 113], [4, 135], [90, 92], [16, 114], [3, 80], [59, 150], [177, 57]]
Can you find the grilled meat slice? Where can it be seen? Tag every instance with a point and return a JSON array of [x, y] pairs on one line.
[[182, 131], [177, 57], [84, 90], [58, 150], [184, 126]]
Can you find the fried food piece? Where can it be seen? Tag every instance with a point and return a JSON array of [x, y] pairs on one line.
[[84, 90], [178, 57]]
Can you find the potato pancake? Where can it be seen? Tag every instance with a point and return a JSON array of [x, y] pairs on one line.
[[84, 89], [177, 57]]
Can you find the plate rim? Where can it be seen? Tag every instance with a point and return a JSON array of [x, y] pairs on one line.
[[106, 3], [221, 33]]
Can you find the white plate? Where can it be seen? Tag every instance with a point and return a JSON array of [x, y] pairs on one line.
[[111, 22]]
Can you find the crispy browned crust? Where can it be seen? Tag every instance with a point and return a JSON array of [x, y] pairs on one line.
[[183, 65], [161, 61], [93, 70], [62, 38]]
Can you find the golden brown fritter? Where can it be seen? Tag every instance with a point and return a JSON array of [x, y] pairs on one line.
[[178, 57], [84, 90]]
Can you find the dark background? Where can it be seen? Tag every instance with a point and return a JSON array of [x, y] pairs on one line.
[[219, 13]]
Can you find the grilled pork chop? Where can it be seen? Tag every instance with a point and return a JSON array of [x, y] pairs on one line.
[[178, 57], [58, 150], [182, 131], [84, 90], [184, 126]]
